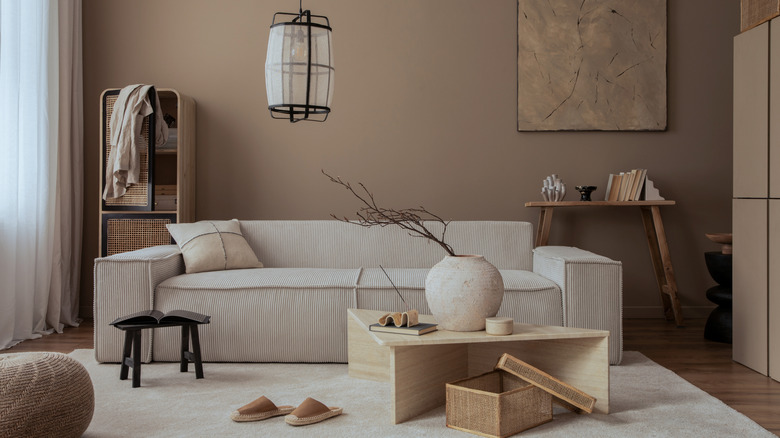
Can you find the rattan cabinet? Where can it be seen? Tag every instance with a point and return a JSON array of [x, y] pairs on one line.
[[166, 189]]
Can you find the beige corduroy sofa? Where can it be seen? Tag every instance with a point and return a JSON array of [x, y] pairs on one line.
[[294, 308]]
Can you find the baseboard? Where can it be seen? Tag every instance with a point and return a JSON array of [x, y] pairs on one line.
[[649, 312]]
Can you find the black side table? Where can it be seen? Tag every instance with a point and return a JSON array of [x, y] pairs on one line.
[[719, 324], [133, 342]]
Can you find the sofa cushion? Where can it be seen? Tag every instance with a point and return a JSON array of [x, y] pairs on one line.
[[514, 280], [308, 278], [261, 315], [213, 246], [266, 314], [375, 292], [335, 244], [532, 298]]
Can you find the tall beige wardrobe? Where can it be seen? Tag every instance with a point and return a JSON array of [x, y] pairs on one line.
[[756, 203]]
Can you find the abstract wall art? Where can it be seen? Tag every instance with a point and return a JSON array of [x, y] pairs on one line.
[[591, 65]]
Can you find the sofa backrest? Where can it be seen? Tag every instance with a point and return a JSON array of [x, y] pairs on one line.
[[335, 244]]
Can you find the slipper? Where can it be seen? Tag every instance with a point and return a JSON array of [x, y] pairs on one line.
[[260, 409], [309, 412]]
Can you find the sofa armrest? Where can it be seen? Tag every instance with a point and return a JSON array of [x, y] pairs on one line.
[[124, 284], [591, 287]]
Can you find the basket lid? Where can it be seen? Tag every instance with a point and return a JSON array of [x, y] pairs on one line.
[[563, 393]]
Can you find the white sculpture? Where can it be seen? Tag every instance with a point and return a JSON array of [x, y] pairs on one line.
[[553, 188]]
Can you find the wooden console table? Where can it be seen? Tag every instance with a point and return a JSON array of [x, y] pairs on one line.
[[656, 241]]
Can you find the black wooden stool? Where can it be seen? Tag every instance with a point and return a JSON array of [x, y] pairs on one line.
[[133, 342]]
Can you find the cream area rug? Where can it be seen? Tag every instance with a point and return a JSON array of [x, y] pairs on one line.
[[646, 400]]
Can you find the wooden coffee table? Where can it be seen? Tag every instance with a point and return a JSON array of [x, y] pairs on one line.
[[418, 367]]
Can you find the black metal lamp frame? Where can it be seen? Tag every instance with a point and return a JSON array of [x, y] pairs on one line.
[[292, 111]]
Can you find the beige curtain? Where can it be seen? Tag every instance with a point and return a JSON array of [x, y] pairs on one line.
[[41, 171], [66, 263]]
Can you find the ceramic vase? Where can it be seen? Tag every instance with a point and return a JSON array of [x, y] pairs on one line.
[[462, 291]]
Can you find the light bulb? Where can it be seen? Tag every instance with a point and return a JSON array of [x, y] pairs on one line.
[[300, 50]]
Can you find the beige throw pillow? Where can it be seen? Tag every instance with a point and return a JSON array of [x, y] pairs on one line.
[[213, 246]]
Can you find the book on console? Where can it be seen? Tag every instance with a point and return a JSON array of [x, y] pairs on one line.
[[158, 317], [415, 330]]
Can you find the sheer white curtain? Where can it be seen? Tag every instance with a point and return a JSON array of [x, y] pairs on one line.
[[41, 173]]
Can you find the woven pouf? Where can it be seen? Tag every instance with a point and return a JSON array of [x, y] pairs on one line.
[[44, 395]]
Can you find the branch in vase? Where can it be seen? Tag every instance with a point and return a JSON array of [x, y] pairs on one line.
[[410, 219]]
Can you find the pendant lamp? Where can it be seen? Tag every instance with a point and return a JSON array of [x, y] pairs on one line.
[[299, 67]]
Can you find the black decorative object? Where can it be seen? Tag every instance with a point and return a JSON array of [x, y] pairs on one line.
[[299, 71], [719, 324], [585, 192]]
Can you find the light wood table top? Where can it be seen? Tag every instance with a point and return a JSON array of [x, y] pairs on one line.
[[522, 332], [599, 203]]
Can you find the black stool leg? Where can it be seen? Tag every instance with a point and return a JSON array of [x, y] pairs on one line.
[[185, 346], [126, 354], [136, 358], [196, 351]]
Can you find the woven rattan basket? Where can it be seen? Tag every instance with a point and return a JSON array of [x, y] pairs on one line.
[[496, 404], [755, 12]]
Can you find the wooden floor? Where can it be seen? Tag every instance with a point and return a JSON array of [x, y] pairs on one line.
[[705, 364]]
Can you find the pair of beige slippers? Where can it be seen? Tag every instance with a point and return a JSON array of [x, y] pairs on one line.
[[309, 412]]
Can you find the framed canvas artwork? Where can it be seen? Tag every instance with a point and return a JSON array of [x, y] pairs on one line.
[[591, 65]]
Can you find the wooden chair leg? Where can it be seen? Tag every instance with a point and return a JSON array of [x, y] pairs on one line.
[[136, 358], [123, 370], [196, 351], [185, 347]]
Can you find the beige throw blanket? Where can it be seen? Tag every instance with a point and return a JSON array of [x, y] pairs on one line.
[[124, 162]]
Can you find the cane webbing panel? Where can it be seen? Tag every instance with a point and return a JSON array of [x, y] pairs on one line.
[[755, 12], [564, 394], [137, 194], [124, 235]]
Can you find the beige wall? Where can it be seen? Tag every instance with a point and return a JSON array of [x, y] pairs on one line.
[[424, 113]]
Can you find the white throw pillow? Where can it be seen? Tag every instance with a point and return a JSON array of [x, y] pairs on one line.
[[213, 246]]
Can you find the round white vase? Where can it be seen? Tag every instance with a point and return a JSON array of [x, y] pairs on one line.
[[462, 291]]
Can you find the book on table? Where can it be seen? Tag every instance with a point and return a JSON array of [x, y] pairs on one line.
[[158, 317], [415, 330], [609, 186], [626, 186]]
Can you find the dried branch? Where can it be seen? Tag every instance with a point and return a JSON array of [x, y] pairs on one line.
[[410, 219]]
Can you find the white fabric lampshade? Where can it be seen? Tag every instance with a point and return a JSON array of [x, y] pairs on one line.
[[287, 71]]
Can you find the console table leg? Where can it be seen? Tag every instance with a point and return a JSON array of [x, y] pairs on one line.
[[543, 229], [662, 263]]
